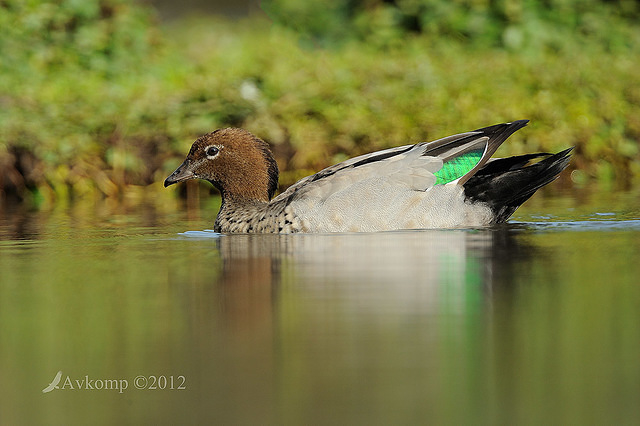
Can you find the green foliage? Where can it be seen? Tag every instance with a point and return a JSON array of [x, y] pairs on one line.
[[70, 75], [506, 23], [96, 98]]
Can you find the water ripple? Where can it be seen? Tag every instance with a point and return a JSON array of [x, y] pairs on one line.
[[206, 233], [583, 225]]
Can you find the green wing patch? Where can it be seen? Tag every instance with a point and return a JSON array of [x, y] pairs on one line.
[[458, 166]]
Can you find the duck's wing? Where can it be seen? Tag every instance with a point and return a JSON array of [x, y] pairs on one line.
[[345, 165], [464, 154], [450, 160]]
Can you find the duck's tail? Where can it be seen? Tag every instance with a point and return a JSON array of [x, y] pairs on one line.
[[505, 183]]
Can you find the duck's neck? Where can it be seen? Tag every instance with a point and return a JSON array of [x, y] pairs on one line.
[[237, 214]]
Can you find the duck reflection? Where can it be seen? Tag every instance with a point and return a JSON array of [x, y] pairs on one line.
[[420, 271]]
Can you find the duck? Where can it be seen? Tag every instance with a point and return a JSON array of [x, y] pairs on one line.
[[451, 182]]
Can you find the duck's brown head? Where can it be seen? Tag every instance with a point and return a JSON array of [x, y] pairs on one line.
[[235, 161]]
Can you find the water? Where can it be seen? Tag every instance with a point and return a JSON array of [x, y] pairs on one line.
[[535, 322]]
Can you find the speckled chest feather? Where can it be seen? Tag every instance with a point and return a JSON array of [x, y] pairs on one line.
[[257, 217]]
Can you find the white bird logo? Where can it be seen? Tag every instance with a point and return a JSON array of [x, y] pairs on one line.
[[54, 384]]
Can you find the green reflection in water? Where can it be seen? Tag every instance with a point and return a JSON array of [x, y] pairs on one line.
[[529, 324]]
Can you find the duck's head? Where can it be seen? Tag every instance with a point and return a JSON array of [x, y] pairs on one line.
[[235, 161]]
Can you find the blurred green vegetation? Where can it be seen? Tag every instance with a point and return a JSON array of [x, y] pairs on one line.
[[97, 97]]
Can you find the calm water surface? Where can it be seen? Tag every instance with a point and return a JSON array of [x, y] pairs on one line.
[[536, 322]]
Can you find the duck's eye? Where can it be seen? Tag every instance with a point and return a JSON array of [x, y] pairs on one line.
[[212, 151]]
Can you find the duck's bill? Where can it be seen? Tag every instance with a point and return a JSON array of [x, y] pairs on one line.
[[181, 173]]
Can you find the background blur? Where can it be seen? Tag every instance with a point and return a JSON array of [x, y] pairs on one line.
[[102, 98]]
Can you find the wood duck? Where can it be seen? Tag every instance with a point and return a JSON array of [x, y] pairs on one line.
[[449, 183]]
